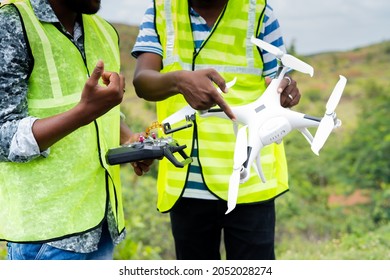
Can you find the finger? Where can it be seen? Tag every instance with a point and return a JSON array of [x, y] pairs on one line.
[[136, 168], [138, 171], [134, 137], [284, 83], [225, 107], [287, 103], [268, 80], [122, 82], [144, 167], [149, 162], [287, 96], [218, 80], [296, 99], [96, 73], [106, 78], [112, 80], [290, 97]]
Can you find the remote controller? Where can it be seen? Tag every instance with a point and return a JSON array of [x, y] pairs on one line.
[[149, 148]]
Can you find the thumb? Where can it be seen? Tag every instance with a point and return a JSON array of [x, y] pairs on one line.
[[97, 72], [268, 80]]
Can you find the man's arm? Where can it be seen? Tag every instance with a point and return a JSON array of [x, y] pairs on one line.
[[38, 135], [197, 87], [95, 101], [16, 140]]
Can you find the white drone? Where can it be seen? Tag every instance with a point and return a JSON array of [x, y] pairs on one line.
[[265, 121]]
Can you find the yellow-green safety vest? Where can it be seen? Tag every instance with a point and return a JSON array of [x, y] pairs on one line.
[[67, 192], [228, 50]]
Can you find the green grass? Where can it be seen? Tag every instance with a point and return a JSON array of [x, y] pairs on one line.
[[373, 245]]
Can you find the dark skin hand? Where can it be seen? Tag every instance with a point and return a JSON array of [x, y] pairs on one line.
[[197, 87], [287, 89], [127, 137], [95, 101]]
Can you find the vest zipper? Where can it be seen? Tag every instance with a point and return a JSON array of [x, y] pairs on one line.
[[107, 174], [196, 53]]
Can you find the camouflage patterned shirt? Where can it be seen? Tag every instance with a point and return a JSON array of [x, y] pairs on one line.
[[17, 142]]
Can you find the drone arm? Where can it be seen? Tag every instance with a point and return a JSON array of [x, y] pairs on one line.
[[254, 149], [259, 169], [306, 133], [281, 73]]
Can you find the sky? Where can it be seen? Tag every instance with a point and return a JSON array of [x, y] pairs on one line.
[[312, 26]]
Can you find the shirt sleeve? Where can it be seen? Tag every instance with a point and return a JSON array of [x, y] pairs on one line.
[[17, 142], [147, 39], [271, 33]]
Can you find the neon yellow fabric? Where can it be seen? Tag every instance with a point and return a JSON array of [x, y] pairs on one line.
[[67, 192], [229, 51]]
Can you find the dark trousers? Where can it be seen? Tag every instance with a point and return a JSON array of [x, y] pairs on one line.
[[248, 231]]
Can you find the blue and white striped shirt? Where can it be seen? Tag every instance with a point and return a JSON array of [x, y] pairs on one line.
[[147, 41]]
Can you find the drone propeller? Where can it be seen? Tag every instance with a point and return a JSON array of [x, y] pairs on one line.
[[228, 84], [240, 156], [335, 97], [328, 121], [267, 47], [286, 59]]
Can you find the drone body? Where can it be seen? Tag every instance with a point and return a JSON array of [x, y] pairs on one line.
[[265, 121]]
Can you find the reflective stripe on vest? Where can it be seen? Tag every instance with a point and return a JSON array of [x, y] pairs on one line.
[[229, 51], [66, 193]]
